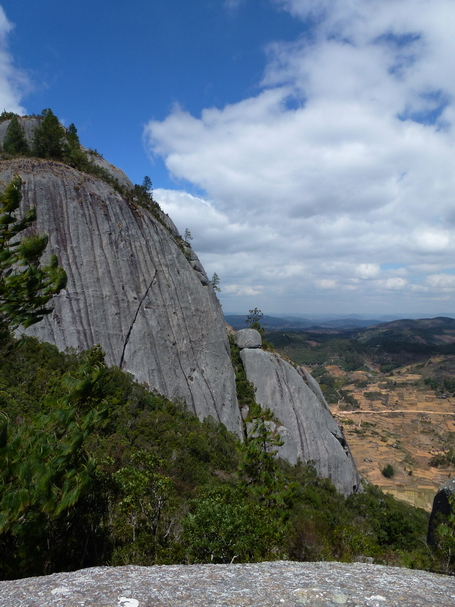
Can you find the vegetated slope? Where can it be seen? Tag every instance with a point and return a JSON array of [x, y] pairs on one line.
[[387, 344], [136, 479], [414, 336]]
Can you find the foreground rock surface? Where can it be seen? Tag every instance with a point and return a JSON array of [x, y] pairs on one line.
[[287, 584]]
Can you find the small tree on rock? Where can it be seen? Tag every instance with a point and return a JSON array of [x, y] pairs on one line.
[[215, 282], [253, 318], [15, 142], [49, 138]]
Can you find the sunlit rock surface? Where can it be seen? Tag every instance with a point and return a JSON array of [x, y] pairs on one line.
[[131, 289], [273, 584], [307, 427]]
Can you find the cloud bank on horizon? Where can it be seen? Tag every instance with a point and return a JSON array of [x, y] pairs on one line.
[[332, 189]]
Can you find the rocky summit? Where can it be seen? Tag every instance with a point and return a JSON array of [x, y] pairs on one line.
[[137, 289], [272, 584]]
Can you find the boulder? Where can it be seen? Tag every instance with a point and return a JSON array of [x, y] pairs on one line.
[[248, 338]]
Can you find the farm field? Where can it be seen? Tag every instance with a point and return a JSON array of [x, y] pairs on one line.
[[401, 423]]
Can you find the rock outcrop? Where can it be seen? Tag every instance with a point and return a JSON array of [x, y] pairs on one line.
[[305, 425], [441, 509], [282, 583], [28, 124], [136, 288]]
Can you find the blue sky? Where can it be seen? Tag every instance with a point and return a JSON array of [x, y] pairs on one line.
[[308, 145]]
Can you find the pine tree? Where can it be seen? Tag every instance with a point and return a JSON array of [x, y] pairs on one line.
[[259, 472], [45, 472], [215, 282], [14, 141], [26, 286], [49, 138]]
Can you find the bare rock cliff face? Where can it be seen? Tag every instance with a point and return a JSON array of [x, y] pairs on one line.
[[306, 426], [131, 289]]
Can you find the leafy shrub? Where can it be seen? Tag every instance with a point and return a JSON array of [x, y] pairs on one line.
[[388, 471], [443, 460], [222, 525]]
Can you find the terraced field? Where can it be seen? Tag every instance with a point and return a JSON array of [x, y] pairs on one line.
[[400, 423]]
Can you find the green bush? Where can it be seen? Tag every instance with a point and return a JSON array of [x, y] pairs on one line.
[[388, 471], [223, 525]]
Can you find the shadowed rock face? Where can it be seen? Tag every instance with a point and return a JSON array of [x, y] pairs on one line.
[[307, 427], [130, 289], [441, 509]]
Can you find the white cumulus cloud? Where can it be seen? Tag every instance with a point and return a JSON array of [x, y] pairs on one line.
[[339, 169], [13, 82]]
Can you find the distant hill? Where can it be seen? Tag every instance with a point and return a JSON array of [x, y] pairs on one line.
[[438, 331], [388, 344], [237, 321]]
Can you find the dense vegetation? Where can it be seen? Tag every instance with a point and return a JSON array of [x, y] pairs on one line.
[[97, 470], [114, 474]]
